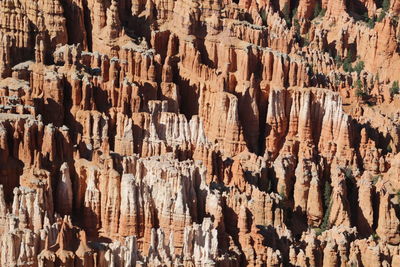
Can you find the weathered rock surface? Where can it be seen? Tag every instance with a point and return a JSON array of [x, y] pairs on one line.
[[199, 133]]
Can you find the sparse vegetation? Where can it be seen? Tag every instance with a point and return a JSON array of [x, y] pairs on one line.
[[322, 13], [347, 67], [381, 16], [375, 179], [370, 21], [325, 221], [325, 225], [394, 90], [282, 194], [306, 40], [338, 61], [296, 25], [395, 21], [318, 11], [348, 173], [386, 5], [375, 236], [318, 231], [360, 92], [347, 62], [358, 84], [286, 15], [327, 194], [359, 66], [263, 16]]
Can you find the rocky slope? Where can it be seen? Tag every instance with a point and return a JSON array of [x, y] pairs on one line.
[[199, 133]]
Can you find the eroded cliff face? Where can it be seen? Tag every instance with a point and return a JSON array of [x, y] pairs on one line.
[[199, 133]]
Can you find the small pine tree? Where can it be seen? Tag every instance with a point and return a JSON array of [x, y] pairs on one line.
[[297, 25], [371, 23], [360, 93], [327, 194], [358, 84], [317, 9], [347, 62], [347, 66], [263, 15], [386, 5], [394, 90], [286, 15], [327, 206], [375, 179], [325, 221], [381, 16], [359, 67], [375, 236], [338, 60]]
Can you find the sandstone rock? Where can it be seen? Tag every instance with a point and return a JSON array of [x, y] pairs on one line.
[[207, 133]]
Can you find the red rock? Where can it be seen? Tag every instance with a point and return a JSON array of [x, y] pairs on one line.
[[198, 134]]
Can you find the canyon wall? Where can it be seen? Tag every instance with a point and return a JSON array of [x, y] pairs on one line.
[[199, 133]]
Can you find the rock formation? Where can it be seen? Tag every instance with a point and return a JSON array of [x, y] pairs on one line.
[[199, 133]]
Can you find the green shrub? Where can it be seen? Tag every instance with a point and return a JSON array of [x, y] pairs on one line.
[[371, 23], [347, 66], [394, 90], [358, 84], [296, 25], [359, 67], [338, 61], [386, 5], [318, 231], [294, 13], [327, 194], [375, 236], [325, 221], [349, 56], [395, 20], [361, 93], [325, 225], [348, 173], [381, 16], [286, 15], [263, 15], [375, 179], [306, 42], [317, 10], [282, 194], [347, 62]]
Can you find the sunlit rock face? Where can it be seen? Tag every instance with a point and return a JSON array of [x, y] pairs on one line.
[[199, 133]]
